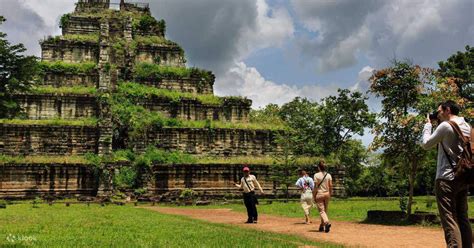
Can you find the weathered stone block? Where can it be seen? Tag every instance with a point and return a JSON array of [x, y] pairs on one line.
[[48, 106], [220, 142], [188, 109], [82, 25], [70, 51], [47, 139], [70, 80], [31, 180], [165, 55], [191, 85], [217, 180]]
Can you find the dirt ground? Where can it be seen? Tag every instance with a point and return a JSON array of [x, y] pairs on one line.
[[346, 233]]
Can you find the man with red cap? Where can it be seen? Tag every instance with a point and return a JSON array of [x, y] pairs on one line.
[[248, 183]]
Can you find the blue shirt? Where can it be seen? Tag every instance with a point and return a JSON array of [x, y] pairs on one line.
[[305, 182]]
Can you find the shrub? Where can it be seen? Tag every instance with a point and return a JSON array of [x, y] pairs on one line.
[[65, 90], [126, 178], [147, 23], [60, 67], [3, 204], [187, 194], [64, 21], [137, 92], [152, 72]]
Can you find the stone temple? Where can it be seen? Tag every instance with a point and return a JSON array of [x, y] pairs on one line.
[[109, 56]]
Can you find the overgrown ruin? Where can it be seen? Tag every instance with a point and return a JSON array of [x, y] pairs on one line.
[[112, 81]]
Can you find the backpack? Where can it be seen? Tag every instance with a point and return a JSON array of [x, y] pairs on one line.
[[464, 170]]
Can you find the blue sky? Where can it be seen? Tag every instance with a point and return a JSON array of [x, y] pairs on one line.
[[274, 50]]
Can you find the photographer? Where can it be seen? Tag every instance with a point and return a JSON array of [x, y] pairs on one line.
[[451, 194]]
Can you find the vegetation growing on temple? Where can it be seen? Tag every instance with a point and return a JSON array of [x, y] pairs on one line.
[[152, 72], [60, 67]]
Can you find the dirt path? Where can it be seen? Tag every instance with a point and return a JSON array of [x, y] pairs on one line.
[[347, 233]]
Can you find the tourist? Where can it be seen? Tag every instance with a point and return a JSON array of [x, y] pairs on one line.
[[451, 194], [322, 194], [306, 185], [248, 183]]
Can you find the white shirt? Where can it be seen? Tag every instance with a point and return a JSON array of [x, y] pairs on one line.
[[305, 183], [251, 181], [445, 135], [318, 177]]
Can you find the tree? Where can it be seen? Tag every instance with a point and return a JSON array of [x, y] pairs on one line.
[[353, 158], [16, 74], [270, 114], [303, 117], [285, 169], [460, 67], [455, 81], [323, 129], [343, 116], [401, 88]]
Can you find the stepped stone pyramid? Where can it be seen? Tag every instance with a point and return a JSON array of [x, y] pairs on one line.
[[107, 50]]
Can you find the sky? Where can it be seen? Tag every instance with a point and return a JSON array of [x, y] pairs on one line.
[[272, 51]]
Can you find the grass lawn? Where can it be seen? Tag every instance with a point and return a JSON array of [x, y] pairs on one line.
[[352, 209], [124, 226]]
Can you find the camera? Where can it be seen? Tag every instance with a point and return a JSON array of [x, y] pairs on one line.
[[434, 116]]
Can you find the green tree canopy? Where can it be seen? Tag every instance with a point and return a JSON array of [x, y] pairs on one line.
[[343, 116], [460, 67], [16, 74], [324, 128]]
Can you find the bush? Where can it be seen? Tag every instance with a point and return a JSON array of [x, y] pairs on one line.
[[137, 92], [147, 23], [64, 21], [126, 178], [76, 38], [140, 192], [36, 201], [153, 72], [187, 194], [60, 67]]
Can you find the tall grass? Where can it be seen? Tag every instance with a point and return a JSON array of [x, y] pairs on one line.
[[153, 72], [64, 67], [52, 122], [138, 91], [154, 40], [82, 38], [79, 90], [5, 159]]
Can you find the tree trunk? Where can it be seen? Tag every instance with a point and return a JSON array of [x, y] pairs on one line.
[[411, 180]]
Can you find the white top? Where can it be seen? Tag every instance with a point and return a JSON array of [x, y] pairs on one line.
[[304, 183], [324, 187], [444, 134], [251, 181]]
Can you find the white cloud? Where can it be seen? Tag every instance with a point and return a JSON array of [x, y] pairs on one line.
[[273, 27], [362, 83], [216, 34], [50, 11], [247, 81], [425, 31]]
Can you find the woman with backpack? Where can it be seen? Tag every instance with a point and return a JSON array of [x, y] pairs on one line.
[[322, 194], [306, 184]]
